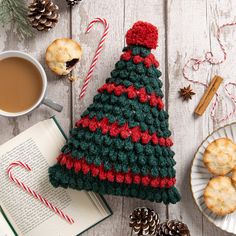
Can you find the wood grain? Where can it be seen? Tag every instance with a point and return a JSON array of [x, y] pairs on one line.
[[191, 33], [58, 89], [146, 10], [186, 29], [81, 16]]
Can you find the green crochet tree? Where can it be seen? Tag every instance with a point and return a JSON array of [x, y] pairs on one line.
[[121, 144]]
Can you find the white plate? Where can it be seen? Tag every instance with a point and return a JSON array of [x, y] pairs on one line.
[[200, 177]]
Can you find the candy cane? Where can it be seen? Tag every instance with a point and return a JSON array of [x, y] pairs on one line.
[[32, 192], [98, 51], [195, 63]]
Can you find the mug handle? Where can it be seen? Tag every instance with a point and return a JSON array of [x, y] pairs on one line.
[[52, 104]]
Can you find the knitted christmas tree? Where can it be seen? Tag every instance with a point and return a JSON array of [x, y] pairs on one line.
[[121, 144]]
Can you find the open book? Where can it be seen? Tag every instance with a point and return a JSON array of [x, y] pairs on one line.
[[21, 213]]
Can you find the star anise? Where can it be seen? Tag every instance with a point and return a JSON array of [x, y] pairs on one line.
[[186, 93]]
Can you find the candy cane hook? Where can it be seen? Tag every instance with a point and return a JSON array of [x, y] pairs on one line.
[[97, 53], [32, 192]]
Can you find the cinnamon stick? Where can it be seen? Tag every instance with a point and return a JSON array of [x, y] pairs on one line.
[[208, 95]]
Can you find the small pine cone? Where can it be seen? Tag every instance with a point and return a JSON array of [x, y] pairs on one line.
[[144, 221], [173, 227], [72, 2], [43, 14]]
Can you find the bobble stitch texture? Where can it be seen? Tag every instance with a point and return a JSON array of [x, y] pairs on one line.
[[121, 144]]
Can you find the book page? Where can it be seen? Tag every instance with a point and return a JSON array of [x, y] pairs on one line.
[[38, 147], [18, 202]]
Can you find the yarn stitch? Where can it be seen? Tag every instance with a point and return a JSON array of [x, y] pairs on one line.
[[122, 145]]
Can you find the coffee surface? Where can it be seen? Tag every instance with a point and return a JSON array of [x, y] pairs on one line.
[[20, 84]]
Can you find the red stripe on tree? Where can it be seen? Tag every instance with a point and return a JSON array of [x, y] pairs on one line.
[[148, 61], [113, 176], [133, 93], [124, 131]]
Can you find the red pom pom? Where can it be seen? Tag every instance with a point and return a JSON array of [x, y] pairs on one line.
[[144, 34]]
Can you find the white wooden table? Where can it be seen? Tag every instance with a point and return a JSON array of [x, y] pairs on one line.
[[186, 28]]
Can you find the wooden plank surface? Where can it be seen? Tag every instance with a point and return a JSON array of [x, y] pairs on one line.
[[186, 29], [81, 16], [58, 89], [191, 33], [127, 13]]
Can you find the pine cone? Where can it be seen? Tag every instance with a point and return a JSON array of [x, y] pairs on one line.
[[173, 228], [43, 14], [144, 221], [72, 2]]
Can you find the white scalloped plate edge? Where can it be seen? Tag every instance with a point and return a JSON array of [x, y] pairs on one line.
[[200, 176]]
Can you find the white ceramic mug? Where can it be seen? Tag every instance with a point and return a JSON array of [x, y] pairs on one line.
[[42, 99]]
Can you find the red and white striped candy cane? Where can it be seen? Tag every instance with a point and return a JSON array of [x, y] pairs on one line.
[[32, 192], [98, 51]]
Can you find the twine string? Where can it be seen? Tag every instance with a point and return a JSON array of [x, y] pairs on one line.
[[194, 64]]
